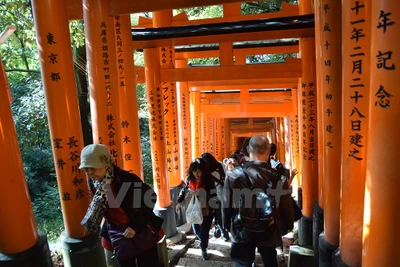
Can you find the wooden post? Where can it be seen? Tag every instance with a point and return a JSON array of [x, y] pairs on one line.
[[63, 113], [211, 136], [195, 126], [320, 98], [18, 226], [128, 107], [309, 137], [288, 147], [156, 110], [184, 121], [281, 140], [228, 147], [222, 143], [382, 189], [295, 140], [217, 139], [332, 105], [205, 130], [102, 71], [167, 60], [356, 43], [331, 88]]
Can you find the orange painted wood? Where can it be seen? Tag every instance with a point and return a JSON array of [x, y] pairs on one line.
[[18, 230], [157, 141], [244, 96], [128, 106], [169, 96], [259, 71], [287, 10], [184, 121], [122, 6], [218, 139], [195, 110], [354, 144], [331, 103], [211, 136], [382, 189], [260, 129], [75, 10], [63, 112], [234, 37], [102, 72], [205, 133], [308, 126], [295, 139], [266, 96], [226, 54], [318, 5], [227, 136], [279, 75], [280, 127], [288, 142], [248, 110], [237, 84], [232, 9]]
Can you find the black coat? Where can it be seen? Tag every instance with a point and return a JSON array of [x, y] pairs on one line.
[[260, 175], [139, 214]]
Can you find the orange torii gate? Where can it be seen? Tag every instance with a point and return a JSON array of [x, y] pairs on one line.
[[370, 104]]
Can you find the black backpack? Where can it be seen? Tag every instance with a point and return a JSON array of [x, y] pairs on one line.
[[257, 217]]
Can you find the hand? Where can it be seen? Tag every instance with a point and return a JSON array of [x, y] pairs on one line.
[[178, 207], [294, 172], [129, 233]]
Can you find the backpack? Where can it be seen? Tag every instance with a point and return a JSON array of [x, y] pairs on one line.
[[256, 209]]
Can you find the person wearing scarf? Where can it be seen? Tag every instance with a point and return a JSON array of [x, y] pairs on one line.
[[107, 180]]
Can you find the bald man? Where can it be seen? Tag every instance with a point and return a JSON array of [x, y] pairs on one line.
[[261, 176]]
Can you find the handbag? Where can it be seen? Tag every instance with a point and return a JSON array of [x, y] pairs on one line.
[[194, 213], [126, 248]]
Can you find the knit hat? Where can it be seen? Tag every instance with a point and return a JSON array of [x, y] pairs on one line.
[[95, 156]]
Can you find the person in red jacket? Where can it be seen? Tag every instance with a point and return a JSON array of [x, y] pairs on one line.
[[199, 182]]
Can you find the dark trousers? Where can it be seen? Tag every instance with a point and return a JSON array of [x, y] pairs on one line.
[[244, 254], [203, 230], [218, 216], [145, 259]]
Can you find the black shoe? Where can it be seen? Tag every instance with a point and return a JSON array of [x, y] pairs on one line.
[[204, 255], [217, 232], [226, 236]]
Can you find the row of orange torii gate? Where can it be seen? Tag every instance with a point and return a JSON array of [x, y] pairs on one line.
[[344, 98]]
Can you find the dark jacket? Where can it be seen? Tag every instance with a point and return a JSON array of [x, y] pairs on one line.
[[261, 176], [139, 214]]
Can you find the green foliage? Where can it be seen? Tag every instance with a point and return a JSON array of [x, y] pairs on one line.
[[146, 150], [77, 33], [259, 7], [202, 12], [20, 49], [47, 209], [269, 58], [39, 163], [29, 111]]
